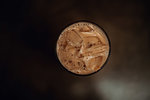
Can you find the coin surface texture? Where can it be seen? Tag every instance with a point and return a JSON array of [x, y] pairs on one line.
[[82, 48]]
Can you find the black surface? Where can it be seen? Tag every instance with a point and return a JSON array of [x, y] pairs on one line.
[[29, 69]]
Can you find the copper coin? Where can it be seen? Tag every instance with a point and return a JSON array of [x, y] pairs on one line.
[[83, 48]]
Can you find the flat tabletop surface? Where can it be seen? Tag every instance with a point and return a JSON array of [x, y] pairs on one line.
[[30, 70]]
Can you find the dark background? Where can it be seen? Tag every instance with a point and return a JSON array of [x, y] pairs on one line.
[[29, 69]]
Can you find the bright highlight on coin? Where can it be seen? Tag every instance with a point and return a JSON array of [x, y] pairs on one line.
[[83, 48]]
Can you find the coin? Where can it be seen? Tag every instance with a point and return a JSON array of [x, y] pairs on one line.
[[83, 48]]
